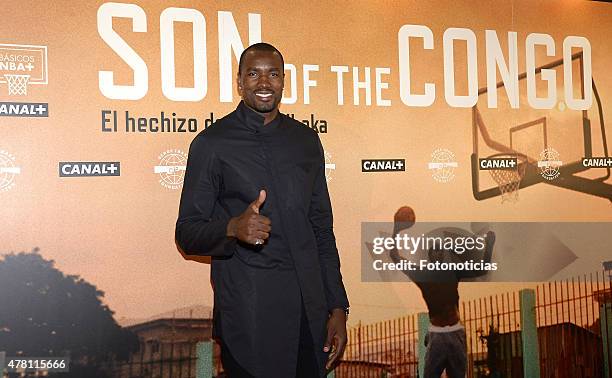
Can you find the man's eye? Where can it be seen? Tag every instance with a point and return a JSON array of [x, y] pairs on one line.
[[252, 74], [274, 74]]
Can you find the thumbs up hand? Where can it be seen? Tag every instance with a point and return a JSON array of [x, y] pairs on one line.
[[251, 227], [255, 205]]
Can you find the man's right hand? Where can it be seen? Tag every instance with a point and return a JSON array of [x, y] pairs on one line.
[[251, 227]]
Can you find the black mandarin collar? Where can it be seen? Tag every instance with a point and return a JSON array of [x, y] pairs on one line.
[[255, 121]]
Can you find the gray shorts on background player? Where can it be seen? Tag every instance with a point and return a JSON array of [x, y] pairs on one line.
[[446, 349]]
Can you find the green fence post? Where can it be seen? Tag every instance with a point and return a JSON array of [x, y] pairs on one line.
[[2, 361], [423, 324], [529, 334], [605, 317], [204, 359]]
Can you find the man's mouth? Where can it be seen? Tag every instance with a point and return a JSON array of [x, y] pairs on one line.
[[263, 95]]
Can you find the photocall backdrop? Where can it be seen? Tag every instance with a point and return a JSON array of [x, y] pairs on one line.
[[400, 93]]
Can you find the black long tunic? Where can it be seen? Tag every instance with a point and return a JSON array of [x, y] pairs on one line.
[[259, 290]]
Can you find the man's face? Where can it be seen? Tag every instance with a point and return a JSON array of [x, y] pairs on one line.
[[261, 80]]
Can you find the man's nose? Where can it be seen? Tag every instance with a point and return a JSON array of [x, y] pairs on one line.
[[264, 81]]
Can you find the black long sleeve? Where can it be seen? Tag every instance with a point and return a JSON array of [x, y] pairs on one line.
[[201, 227], [321, 219]]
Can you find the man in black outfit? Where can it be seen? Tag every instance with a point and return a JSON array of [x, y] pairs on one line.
[[256, 200]]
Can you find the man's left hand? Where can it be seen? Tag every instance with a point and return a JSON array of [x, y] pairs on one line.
[[336, 338]]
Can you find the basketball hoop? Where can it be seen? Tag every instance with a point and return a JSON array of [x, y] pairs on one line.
[[17, 84], [509, 180]]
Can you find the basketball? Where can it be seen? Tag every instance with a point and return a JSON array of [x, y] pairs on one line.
[[404, 214]]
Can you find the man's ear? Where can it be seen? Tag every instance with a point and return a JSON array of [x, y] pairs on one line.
[[238, 84]]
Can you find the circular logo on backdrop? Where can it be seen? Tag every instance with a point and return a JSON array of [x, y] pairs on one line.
[[171, 168], [549, 164], [443, 165], [8, 171], [329, 166]]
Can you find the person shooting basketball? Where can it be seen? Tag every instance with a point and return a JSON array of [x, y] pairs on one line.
[[445, 340]]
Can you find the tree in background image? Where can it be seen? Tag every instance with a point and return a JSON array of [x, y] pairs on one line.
[[46, 313]]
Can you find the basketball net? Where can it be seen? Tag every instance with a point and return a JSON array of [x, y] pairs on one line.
[[509, 180], [17, 84]]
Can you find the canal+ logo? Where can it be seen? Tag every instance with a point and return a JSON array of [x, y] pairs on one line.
[[89, 168]]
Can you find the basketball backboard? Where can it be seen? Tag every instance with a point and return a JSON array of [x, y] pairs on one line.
[[541, 134]]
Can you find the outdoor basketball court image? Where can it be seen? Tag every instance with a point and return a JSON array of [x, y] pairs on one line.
[[482, 129]]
